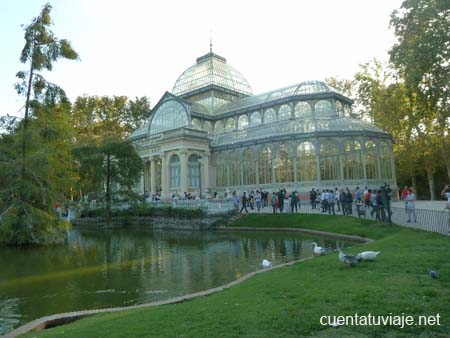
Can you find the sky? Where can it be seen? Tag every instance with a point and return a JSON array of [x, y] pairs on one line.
[[139, 48]]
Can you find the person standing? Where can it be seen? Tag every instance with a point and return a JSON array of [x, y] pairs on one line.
[[358, 195], [446, 194], [274, 202], [404, 195], [337, 199], [244, 203], [258, 199], [281, 200], [294, 202], [330, 197], [312, 198], [235, 201], [411, 205]]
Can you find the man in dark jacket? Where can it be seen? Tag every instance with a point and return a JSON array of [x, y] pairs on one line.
[[244, 203]]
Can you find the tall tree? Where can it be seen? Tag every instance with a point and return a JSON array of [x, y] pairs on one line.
[[113, 162], [29, 213], [41, 49], [422, 57]]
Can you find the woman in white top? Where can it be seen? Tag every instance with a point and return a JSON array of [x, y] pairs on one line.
[[411, 205]]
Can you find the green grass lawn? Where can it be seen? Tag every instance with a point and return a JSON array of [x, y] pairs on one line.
[[289, 301]]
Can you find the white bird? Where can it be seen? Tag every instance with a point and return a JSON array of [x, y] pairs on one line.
[[347, 259], [367, 255], [318, 250], [266, 264]]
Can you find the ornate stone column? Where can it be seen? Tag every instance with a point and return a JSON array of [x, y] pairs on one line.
[[152, 176], [164, 176], [183, 172], [206, 180]]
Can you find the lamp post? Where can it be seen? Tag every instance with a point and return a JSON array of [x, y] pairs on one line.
[[199, 177]]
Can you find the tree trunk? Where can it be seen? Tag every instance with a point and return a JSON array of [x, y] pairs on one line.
[[108, 190], [24, 137], [431, 183]]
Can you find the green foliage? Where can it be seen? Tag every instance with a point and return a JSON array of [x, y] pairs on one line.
[[421, 55], [27, 225], [144, 211], [112, 163], [33, 175], [98, 117]]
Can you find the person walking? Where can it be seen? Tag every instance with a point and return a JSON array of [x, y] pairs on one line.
[[244, 203]]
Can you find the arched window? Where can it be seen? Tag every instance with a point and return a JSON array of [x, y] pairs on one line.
[[347, 110], [170, 115], [306, 162], [207, 126], [243, 122], [174, 172], [270, 116], [230, 125], [221, 171], [371, 164], [249, 166], [302, 109], [352, 161], [193, 171], [339, 108], [385, 161], [284, 113], [196, 124], [234, 163], [284, 165], [218, 127], [329, 160], [255, 119], [265, 165], [323, 108]]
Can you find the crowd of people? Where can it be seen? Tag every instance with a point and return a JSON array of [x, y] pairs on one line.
[[328, 201]]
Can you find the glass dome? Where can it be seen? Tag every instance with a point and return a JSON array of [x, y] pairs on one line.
[[211, 69]]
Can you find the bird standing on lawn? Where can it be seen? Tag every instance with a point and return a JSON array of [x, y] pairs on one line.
[[347, 259]]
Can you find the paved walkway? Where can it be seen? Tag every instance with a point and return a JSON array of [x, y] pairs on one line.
[[425, 205]]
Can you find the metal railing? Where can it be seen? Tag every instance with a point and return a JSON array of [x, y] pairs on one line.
[[425, 219]]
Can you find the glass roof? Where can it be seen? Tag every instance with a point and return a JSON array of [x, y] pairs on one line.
[[303, 88], [298, 126], [211, 69]]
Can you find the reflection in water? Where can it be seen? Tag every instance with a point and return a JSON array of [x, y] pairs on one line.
[[101, 268]]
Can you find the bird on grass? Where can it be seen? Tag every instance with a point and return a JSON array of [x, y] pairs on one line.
[[367, 255], [347, 259], [433, 274], [318, 250], [266, 264]]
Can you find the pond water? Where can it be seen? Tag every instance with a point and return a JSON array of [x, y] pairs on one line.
[[100, 269]]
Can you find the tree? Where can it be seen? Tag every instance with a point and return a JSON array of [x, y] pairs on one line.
[[112, 162], [32, 172], [96, 117], [422, 57]]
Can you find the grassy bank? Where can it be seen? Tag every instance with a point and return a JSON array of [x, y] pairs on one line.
[[288, 302]]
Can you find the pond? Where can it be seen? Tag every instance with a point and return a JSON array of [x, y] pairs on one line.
[[122, 267]]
